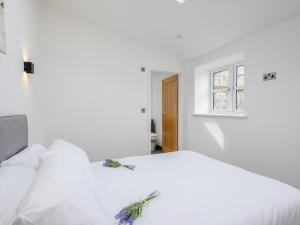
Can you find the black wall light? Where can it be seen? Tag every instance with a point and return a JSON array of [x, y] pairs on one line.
[[29, 67]]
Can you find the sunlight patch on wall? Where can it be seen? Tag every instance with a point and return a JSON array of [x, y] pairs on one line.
[[25, 55], [216, 132], [25, 78], [25, 81]]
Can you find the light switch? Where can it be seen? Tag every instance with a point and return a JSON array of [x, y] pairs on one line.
[[269, 76]]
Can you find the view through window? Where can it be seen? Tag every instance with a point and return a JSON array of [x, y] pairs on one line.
[[227, 89]]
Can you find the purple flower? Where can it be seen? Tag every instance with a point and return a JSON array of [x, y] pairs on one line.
[[128, 214], [131, 220], [115, 164]]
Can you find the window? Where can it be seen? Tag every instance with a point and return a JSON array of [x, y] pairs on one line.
[[227, 89]]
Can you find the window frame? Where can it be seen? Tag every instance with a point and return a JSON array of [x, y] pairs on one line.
[[236, 88], [233, 88]]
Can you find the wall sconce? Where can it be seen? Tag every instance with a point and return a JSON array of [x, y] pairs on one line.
[[29, 67]]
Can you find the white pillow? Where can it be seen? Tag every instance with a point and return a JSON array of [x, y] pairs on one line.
[[14, 184], [64, 192], [29, 157]]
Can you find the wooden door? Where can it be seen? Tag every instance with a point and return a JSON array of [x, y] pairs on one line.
[[170, 114]]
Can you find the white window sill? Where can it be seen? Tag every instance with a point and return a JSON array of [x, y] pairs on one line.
[[230, 115]]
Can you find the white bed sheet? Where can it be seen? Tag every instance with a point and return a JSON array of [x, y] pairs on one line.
[[197, 190], [14, 183]]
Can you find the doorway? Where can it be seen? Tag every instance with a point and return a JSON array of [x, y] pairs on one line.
[[164, 112]]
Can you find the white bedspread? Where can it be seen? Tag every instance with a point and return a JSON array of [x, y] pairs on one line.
[[197, 190]]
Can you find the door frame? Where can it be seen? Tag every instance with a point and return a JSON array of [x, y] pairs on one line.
[[180, 109]]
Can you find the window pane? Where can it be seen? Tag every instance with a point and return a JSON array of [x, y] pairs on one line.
[[240, 77], [221, 79], [240, 99], [240, 70], [221, 100]]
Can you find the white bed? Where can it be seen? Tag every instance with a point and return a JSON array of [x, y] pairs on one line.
[[197, 190], [59, 186]]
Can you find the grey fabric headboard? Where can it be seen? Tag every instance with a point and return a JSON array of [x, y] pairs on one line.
[[13, 135]]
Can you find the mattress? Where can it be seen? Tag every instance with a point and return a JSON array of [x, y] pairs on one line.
[[196, 190]]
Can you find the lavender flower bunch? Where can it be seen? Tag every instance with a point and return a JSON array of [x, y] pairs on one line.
[[115, 164], [134, 210]]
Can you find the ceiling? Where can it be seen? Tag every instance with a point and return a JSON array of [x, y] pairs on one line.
[[204, 25]]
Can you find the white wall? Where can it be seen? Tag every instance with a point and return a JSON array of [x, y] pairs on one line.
[[91, 87], [88, 89], [17, 91], [268, 142], [156, 101]]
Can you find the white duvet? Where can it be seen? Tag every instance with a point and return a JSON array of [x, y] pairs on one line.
[[196, 190]]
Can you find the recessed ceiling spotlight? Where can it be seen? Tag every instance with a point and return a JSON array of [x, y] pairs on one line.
[[181, 1]]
